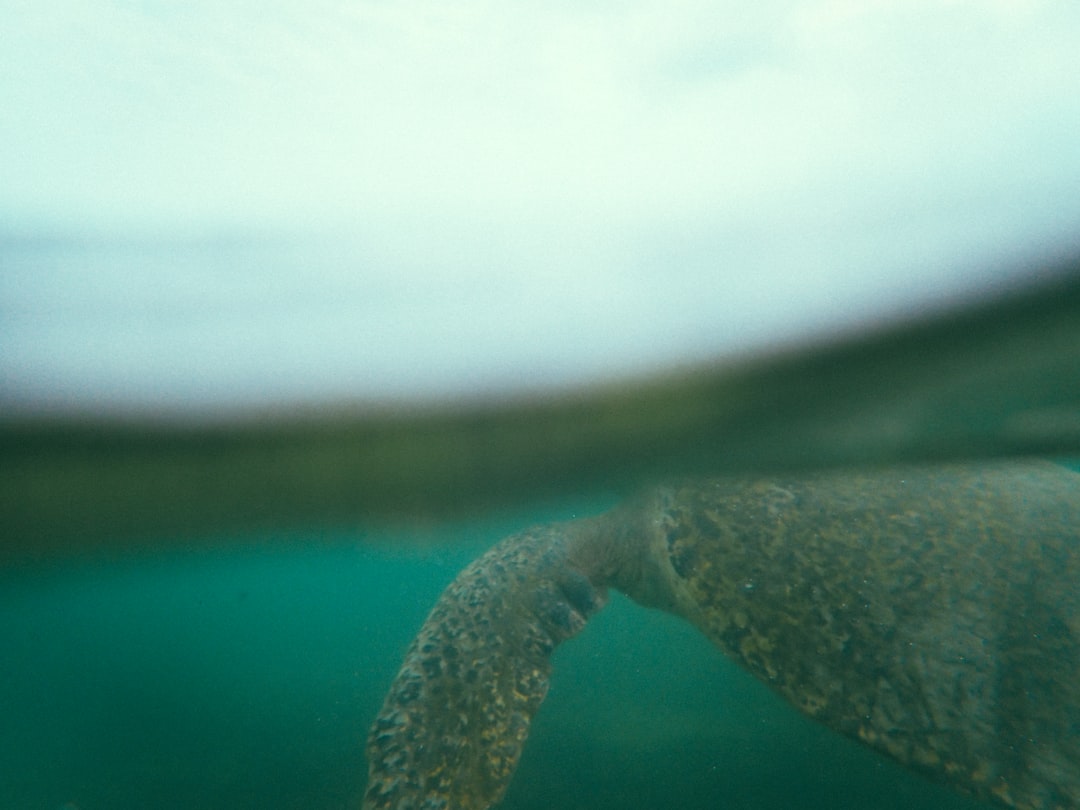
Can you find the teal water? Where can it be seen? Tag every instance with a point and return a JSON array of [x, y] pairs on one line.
[[248, 680]]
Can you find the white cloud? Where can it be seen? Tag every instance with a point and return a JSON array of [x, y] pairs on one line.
[[565, 187], [296, 112]]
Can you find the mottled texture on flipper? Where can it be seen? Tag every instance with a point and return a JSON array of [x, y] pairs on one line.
[[932, 614], [453, 725]]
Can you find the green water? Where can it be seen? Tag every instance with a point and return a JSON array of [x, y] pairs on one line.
[[227, 680], [247, 679], [221, 667]]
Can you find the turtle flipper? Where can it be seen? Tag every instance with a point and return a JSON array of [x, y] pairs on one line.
[[453, 725]]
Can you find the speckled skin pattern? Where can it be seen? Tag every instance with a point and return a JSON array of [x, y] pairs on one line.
[[454, 722], [933, 614]]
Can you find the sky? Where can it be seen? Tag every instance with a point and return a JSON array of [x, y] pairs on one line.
[[213, 206]]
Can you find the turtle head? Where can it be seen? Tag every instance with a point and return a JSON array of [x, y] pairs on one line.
[[454, 722]]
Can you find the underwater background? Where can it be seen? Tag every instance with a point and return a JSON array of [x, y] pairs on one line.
[[247, 678], [163, 647], [309, 223]]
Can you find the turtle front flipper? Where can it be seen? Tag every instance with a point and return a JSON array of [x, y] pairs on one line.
[[453, 725]]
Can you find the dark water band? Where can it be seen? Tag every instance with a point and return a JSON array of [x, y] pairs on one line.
[[1000, 378]]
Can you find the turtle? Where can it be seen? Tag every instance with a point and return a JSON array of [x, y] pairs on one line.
[[931, 612]]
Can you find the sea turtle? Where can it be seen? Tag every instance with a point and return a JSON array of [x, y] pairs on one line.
[[932, 613]]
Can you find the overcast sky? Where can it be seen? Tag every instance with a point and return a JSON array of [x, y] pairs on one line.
[[213, 204]]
